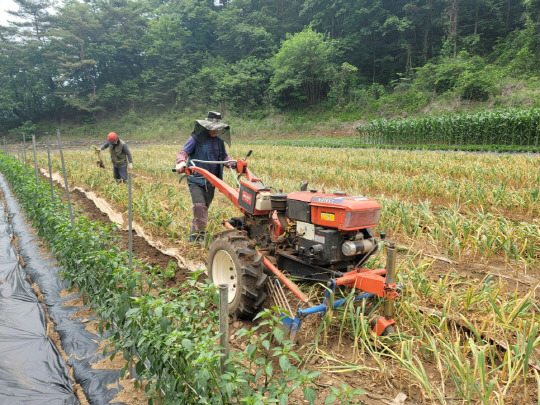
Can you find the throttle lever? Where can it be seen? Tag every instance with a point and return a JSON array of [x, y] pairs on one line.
[[181, 177]]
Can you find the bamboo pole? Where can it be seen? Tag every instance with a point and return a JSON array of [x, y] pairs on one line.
[[50, 168], [35, 157], [224, 324], [65, 176]]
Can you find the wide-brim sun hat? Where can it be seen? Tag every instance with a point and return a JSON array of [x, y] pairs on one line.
[[213, 122]]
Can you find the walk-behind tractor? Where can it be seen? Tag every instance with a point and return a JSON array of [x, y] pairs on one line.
[[308, 235]]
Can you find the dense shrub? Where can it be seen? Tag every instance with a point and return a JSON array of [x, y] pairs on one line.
[[469, 77]]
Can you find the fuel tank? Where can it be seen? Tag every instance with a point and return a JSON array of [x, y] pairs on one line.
[[333, 210]]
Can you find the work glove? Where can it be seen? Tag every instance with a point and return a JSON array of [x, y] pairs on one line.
[[130, 166], [180, 167]]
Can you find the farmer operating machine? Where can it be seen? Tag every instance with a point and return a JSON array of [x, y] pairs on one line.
[[307, 234]]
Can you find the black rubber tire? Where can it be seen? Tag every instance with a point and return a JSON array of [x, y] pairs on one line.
[[247, 264]]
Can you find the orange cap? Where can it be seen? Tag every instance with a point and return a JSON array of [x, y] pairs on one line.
[[112, 137]]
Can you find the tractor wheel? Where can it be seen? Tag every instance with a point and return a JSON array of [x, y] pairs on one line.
[[232, 261]]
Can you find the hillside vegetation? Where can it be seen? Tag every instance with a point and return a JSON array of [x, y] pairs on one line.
[[147, 68]]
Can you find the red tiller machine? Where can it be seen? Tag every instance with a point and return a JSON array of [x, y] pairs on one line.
[[308, 235]]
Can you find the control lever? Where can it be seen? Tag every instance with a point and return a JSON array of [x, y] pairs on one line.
[[181, 177]]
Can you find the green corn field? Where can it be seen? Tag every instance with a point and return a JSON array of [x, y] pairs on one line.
[[513, 127]]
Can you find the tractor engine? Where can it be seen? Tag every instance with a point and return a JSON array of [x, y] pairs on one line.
[[332, 231], [313, 235]]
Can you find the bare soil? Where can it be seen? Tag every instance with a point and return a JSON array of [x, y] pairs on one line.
[[142, 249]]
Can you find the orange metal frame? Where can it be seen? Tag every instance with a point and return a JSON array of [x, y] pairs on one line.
[[374, 282], [229, 192], [371, 281], [382, 324]]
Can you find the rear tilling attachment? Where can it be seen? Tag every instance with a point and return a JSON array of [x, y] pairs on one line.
[[377, 282]]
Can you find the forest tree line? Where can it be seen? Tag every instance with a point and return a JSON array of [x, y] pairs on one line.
[[101, 56]]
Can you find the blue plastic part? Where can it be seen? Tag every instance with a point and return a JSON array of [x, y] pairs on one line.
[[313, 310], [292, 324], [323, 307]]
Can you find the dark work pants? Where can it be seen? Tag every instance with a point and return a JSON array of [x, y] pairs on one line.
[[120, 173], [202, 197]]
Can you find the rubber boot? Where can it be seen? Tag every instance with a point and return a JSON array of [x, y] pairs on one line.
[[197, 230], [197, 237]]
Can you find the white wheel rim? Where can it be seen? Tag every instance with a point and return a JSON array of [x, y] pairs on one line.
[[224, 272]]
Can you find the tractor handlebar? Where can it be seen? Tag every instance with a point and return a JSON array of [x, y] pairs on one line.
[[213, 162], [240, 165]]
